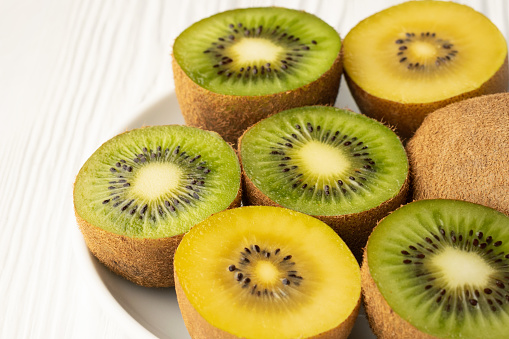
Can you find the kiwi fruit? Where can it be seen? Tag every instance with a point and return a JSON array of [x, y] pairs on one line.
[[240, 66], [142, 190], [438, 269], [342, 167], [266, 272], [461, 151], [416, 57]]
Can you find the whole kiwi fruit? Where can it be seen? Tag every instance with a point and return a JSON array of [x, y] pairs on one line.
[[461, 152]]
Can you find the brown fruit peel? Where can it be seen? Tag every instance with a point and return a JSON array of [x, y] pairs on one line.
[[460, 152]]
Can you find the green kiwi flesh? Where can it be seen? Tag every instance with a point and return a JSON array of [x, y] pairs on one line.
[[157, 181], [324, 161], [443, 266], [257, 51]]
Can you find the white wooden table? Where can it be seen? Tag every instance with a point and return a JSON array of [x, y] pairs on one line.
[[72, 73]]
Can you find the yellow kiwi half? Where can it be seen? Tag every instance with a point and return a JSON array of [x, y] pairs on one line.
[[416, 57], [266, 272]]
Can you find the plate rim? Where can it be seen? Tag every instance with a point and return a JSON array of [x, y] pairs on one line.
[[85, 258]]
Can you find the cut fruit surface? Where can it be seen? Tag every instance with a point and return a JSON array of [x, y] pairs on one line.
[[324, 161], [443, 267], [257, 51], [157, 181], [423, 52], [266, 272]]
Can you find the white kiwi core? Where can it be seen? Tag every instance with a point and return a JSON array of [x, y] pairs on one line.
[[461, 268], [255, 50], [323, 160], [156, 179], [266, 272], [423, 50]]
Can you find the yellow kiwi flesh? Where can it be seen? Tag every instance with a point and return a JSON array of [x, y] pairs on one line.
[[416, 57], [300, 279]]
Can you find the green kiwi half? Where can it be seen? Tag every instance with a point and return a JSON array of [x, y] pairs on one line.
[[141, 190], [438, 268], [343, 167], [256, 51], [237, 67]]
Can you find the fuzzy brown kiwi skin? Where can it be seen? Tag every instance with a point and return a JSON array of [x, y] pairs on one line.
[[460, 152], [230, 115], [384, 322], [199, 328], [407, 117], [353, 228]]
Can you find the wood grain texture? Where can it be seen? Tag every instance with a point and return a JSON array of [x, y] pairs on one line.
[[72, 74]]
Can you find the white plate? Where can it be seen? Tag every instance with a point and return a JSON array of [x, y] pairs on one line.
[[153, 312]]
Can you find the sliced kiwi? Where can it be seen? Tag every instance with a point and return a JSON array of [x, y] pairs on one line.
[[413, 58], [256, 51], [266, 272], [141, 190], [236, 67], [345, 168], [461, 152], [438, 268]]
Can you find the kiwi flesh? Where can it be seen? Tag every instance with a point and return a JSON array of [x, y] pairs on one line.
[[141, 190], [342, 167], [413, 58], [237, 67], [461, 151], [266, 272], [438, 268]]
